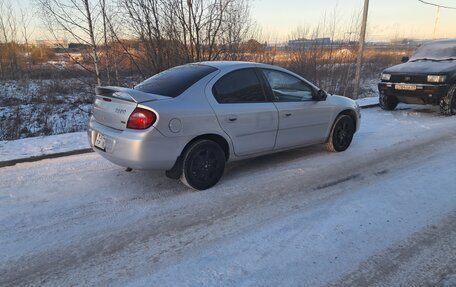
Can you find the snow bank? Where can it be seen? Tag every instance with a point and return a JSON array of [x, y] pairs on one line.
[[44, 145]]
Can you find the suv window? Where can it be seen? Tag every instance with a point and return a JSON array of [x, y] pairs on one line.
[[242, 86], [175, 81], [288, 88]]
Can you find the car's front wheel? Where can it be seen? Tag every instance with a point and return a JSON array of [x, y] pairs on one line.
[[388, 103], [341, 134], [448, 102], [203, 164]]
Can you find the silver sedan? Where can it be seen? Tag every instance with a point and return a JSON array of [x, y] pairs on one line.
[[192, 119]]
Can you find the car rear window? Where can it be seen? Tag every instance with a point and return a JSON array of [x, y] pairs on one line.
[[175, 81]]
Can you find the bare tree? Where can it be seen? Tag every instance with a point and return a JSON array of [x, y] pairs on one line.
[[9, 47], [174, 31], [79, 19], [26, 31]]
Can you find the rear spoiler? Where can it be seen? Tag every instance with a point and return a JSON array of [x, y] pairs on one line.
[[127, 94]]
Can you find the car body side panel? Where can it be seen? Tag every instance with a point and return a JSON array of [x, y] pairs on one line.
[[252, 127], [303, 123]]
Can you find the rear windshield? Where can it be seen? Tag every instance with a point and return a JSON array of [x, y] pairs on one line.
[[436, 51], [175, 81]]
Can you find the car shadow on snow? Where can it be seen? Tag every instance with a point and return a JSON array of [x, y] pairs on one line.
[[146, 184], [418, 109], [152, 185], [270, 162]]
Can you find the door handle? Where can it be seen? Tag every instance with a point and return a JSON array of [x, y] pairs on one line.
[[288, 114], [232, 118]]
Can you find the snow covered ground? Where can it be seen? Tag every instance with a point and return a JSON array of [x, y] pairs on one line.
[[43, 107], [382, 213]]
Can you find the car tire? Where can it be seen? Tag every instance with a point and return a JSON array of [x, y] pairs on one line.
[[203, 164], [448, 102], [341, 134], [388, 103]]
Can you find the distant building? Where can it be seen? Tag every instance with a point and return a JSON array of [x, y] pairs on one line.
[[304, 43], [77, 46], [53, 44]]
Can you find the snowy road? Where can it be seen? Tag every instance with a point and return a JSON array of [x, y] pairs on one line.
[[382, 213]]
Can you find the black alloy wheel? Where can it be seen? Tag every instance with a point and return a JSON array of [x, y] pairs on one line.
[[342, 134], [203, 165]]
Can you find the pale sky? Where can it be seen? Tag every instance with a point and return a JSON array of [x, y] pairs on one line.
[[387, 18], [278, 19]]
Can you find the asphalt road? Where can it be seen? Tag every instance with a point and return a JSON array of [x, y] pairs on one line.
[[383, 213]]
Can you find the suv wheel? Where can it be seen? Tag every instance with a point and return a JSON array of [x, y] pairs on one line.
[[388, 103], [448, 102], [341, 134], [203, 164]]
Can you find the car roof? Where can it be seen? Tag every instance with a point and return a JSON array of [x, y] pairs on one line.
[[233, 65], [228, 66], [444, 41]]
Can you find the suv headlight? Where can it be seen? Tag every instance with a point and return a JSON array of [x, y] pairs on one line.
[[386, 77], [436, 78]]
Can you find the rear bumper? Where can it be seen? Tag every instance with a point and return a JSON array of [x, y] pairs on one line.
[[147, 149], [424, 93]]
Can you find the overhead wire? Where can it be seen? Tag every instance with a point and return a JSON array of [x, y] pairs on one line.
[[437, 5]]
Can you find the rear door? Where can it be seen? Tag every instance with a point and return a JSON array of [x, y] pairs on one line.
[[244, 113], [302, 120]]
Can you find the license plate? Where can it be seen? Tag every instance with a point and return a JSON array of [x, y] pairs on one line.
[[100, 142], [405, 87]]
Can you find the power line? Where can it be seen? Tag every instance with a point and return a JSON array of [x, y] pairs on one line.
[[437, 15], [437, 5]]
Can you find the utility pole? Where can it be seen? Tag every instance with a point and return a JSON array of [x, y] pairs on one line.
[[437, 16], [362, 39]]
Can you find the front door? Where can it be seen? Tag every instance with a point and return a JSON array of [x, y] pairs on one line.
[[302, 119]]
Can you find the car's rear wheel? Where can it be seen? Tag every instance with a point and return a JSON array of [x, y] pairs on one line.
[[448, 102], [341, 134], [203, 164], [388, 103]]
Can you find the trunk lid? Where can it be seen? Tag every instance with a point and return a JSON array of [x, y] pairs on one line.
[[114, 105]]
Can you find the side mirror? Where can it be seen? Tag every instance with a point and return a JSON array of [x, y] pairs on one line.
[[405, 59], [321, 95]]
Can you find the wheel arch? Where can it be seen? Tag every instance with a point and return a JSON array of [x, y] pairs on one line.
[[220, 140], [351, 114]]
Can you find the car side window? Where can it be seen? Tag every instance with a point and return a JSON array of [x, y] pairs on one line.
[[242, 86], [288, 88]]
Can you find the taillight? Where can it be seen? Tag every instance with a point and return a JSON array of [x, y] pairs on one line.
[[141, 119]]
